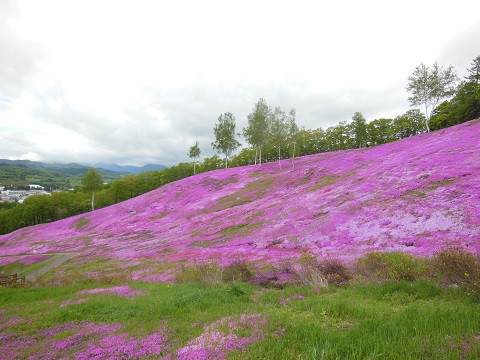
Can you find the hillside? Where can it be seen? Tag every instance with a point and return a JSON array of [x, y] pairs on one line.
[[416, 195]]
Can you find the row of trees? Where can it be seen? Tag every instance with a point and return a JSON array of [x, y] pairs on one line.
[[273, 135], [272, 129], [429, 86], [266, 127]]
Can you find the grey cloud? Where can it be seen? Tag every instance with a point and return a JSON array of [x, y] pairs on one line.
[[19, 59], [190, 115], [462, 49], [14, 143]]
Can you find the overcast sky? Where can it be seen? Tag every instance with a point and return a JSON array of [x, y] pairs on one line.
[[137, 82]]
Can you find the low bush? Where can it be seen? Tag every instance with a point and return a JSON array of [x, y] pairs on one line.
[[380, 267], [457, 266], [320, 274], [204, 273], [277, 277], [237, 271]]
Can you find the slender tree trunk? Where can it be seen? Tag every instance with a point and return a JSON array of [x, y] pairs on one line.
[[293, 157], [93, 200], [194, 166], [226, 162], [279, 161], [260, 162], [256, 154], [427, 117]]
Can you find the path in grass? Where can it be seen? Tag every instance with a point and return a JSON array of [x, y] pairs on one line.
[[51, 265]]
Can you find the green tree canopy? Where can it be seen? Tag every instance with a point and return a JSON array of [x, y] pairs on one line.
[[225, 142], [474, 72], [359, 125], [256, 133], [194, 153], [428, 86], [91, 182], [278, 129]]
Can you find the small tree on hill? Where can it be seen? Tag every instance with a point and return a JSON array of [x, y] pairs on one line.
[[194, 153], [278, 130], [474, 72], [225, 141], [292, 129], [429, 86], [92, 181], [359, 125], [256, 132]]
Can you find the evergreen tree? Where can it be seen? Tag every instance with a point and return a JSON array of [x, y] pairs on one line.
[[474, 72]]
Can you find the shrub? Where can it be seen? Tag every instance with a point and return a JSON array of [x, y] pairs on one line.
[[380, 267], [460, 267], [275, 277], [204, 273], [320, 274], [237, 271]]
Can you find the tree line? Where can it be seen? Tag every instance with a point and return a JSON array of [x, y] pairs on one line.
[[272, 135]]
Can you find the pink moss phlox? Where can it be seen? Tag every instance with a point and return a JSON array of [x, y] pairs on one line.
[[219, 338], [85, 341], [73, 301], [415, 195], [117, 290], [290, 298]]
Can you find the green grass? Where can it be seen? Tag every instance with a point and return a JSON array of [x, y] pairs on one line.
[[324, 181], [82, 222], [21, 270], [251, 192], [396, 320]]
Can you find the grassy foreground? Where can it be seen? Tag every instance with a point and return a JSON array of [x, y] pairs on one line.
[[396, 320]]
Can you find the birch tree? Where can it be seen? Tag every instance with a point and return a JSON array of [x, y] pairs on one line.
[[92, 181], [256, 133], [292, 129], [428, 86], [225, 142], [278, 130], [194, 153]]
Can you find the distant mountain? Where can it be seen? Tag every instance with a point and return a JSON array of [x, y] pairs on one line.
[[128, 169], [71, 168], [51, 175]]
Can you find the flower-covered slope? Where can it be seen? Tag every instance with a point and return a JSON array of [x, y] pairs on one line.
[[417, 195]]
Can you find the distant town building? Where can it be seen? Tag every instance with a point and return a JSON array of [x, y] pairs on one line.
[[20, 195], [36, 187]]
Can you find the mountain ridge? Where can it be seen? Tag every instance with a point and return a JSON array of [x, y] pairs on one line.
[[130, 169], [67, 168]]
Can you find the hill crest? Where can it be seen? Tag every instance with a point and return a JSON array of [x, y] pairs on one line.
[[417, 195]]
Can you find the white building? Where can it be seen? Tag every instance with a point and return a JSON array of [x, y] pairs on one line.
[[36, 187]]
